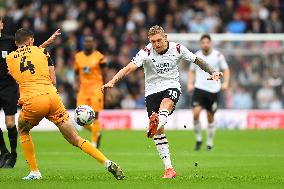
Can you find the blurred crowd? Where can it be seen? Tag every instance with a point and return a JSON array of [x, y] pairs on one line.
[[120, 30]]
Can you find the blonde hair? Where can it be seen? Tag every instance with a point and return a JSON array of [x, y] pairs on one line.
[[156, 30]]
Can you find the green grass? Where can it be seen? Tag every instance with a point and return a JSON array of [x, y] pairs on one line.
[[240, 159]]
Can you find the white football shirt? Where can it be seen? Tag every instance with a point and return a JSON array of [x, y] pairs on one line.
[[216, 60], [161, 71]]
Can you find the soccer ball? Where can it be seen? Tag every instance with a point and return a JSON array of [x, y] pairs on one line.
[[84, 115]]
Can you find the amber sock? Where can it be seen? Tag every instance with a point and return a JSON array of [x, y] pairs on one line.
[[95, 131], [88, 148], [29, 151]]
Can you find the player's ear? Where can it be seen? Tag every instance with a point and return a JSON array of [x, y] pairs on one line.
[[166, 37], [31, 41]]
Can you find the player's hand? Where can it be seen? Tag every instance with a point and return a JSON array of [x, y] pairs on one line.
[[54, 35], [190, 87], [107, 85], [224, 86], [215, 76]]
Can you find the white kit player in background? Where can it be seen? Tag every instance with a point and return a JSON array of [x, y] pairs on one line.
[[160, 60], [206, 93]]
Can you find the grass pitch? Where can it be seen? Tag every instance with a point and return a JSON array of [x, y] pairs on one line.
[[240, 159]]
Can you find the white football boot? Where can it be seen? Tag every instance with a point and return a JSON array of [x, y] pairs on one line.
[[34, 175]]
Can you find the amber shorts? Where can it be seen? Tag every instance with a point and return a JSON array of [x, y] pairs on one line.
[[49, 106], [95, 100]]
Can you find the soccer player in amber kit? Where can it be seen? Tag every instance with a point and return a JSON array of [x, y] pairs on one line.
[[89, 66], [33, 70], [9, 98]]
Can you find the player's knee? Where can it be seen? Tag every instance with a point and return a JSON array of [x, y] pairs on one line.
[[196, 113], [167, 103], [23, 127], [210, 118], [196, 116], [10, 121]]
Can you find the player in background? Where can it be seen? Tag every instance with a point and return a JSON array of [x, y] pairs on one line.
[[89, 67], [9, 98], [33, 70], [160, 60], [205, 93]]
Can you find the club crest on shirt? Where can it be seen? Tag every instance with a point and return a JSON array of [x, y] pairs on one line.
[[86, 70], [4, 54]]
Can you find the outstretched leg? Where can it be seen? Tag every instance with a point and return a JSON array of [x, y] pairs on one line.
[[71, 135], [160, 138]]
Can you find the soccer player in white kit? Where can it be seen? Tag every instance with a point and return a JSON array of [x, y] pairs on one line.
[[160, 60], [206, 93]]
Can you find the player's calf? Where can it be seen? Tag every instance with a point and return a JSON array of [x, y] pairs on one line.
[[73, 138]]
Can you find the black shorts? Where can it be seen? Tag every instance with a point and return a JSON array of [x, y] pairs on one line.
[[153, 101], [205, 99], [9, 99]]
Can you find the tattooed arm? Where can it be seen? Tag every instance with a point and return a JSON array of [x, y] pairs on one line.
[[204, 66], [214, 75], [190, 57]]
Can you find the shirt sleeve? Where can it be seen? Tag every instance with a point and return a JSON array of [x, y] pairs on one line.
[[223, 63], [186, 54], [8, 61], [49, 59], [102, 59], [140, 57]]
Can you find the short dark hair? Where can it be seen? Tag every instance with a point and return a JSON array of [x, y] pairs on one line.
[[22, 35], [205, 36]]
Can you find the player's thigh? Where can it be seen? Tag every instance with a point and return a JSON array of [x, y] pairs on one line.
[[153, 102], [211, 102], [198, 102], [57, 111], [35, 109], [198, 98], [97, 101], [170, 99]]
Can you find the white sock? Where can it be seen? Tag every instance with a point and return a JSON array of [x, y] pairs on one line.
[[210, 133], [162, 146], [163, 115], [107, 164], [198, 130]]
